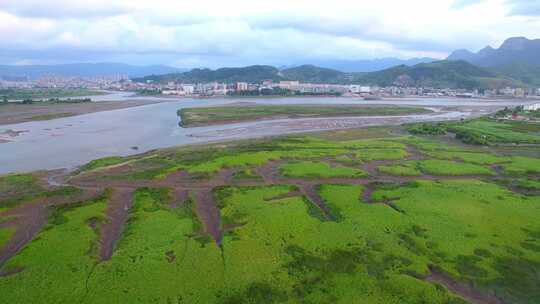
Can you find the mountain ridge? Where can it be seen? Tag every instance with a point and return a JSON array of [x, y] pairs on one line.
[[512, 50], [440, 74]]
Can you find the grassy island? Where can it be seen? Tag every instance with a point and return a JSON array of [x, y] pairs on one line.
[[194, 117]]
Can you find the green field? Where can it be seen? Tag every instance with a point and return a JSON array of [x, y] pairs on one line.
[[485, 131], [193, 117], [359, 216]]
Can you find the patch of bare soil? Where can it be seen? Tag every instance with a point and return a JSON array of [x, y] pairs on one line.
[[225, 176], [371, 166], [117, 215], [270, 171], [311, 193], [367, 192], [463, 290], [27, 220], [208, 212], [178, 198], [414, 153]]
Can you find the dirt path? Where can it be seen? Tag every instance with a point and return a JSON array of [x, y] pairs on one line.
[[117, 214], [463, 290], [209, 214]]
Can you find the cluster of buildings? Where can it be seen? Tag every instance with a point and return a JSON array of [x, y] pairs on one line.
[[63, 82], [222, 89], [353, 90], [267, 87]]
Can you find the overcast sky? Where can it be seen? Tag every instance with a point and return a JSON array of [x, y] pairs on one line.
[[213, 33]]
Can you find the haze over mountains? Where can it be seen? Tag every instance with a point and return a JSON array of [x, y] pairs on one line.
[[513, 50], [107, 69], [517, 57], [372, 65], [84, 70], [515, 63]]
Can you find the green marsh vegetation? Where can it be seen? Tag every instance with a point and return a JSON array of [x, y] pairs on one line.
[[381, 232], [311, 169]]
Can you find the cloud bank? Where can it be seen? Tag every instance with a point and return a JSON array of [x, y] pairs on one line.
[[209, 33]]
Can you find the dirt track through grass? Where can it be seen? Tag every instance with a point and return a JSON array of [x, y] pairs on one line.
[[117, 214], [462, 289], [310, 191], [208, 212], [28, 221]]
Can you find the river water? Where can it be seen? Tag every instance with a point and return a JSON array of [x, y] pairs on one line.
[[73, 141]]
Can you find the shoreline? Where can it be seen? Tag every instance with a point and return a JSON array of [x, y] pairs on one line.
[[18, 113]]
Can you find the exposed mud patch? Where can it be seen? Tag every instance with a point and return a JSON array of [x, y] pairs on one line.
[[208, 212], [368, 192], [463, 290], [179, 198], [311, 193], [414, 153], [28, 220], [117, 214]]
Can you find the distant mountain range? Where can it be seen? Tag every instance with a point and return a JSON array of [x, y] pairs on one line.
[[83, 70], [515, 63], [441, 74], [513, 50], [371, 65], [255, 73], [517, 57], [107, 69]]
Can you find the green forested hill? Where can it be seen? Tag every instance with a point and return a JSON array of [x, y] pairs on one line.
[[439, 74]]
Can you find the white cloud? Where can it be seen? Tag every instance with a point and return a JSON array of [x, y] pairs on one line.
[[64, 9], [247, 31]]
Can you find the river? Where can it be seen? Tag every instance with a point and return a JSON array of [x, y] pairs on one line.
[[73, 141]]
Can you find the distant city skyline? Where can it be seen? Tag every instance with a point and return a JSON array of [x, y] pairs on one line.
[[212, 34]]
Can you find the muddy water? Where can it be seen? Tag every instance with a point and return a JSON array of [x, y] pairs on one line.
[[72, 141]]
